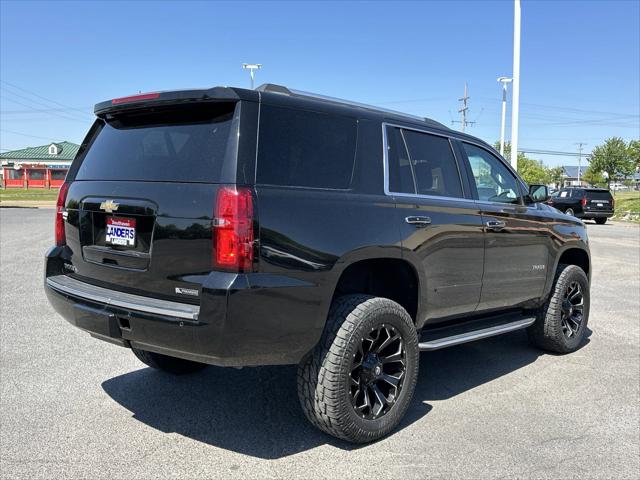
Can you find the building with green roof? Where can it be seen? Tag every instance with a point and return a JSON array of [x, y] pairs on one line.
[[44, 166]]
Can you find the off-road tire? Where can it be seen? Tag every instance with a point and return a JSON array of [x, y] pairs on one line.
[[173, 365], [324, 375], [601, 221], [546, 332]]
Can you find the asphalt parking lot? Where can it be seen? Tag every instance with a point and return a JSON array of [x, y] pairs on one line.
[[75, 407]]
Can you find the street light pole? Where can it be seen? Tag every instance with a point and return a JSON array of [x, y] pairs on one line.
[[515, 102], [505, 81], [251, 67], [580, 145]]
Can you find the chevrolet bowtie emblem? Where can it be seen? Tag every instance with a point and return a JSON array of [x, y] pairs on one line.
[[109, 206]]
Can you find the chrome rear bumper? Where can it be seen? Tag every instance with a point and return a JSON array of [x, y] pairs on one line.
[[75, 288]]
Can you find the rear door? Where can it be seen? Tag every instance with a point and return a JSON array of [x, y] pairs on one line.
[[562, 199], [141, 200], [439, 225], [517, 237], [598, 201]]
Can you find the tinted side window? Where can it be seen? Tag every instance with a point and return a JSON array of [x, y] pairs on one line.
[[494, 181], [434, 166], [305, 149], [400, 172]]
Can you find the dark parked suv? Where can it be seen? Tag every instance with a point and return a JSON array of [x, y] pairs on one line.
[[258, 227], [586, 203]]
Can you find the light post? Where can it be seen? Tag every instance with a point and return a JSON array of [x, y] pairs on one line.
[[504, 81], [251, 67], [580, 145], [515, 100]]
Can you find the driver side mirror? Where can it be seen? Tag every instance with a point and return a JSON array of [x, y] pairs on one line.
[[538, 193]]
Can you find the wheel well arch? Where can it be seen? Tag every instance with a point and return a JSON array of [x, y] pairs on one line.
[[576, 256], [391, 278]]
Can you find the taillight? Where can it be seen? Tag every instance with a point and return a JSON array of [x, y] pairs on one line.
[[61, 238], [613, 203], [233, 230], [583, 202]]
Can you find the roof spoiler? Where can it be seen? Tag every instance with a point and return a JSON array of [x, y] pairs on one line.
[[143, 100]]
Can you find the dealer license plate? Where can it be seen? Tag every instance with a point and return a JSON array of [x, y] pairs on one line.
[[121, 231]]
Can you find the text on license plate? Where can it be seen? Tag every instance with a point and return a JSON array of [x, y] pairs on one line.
[[121, 231]]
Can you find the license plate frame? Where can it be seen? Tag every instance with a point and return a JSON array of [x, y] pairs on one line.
[[120, 232]]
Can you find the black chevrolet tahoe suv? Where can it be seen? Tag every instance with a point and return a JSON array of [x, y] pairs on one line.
[[587, 203], [239, 227]]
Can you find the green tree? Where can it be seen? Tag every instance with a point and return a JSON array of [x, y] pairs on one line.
[[594, 178], [532, 171], [612, 157], [556, 175], [634, 153]]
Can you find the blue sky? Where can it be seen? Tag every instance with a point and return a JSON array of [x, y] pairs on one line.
[[580, 77]]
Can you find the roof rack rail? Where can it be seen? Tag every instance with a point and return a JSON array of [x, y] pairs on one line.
[[273, 88]]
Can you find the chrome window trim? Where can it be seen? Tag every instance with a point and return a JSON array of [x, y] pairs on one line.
[[385, 164], [70, 286]]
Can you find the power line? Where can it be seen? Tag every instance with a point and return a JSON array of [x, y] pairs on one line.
[[410, 100], [27, 135], [39, 96], [566, 109], [76, 119], [535, 151], [74, 115], [40, 110]]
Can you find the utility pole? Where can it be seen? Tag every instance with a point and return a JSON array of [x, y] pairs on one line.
[[515, 102], [463, 111], [580, 145], [251, 67], [504, 81]]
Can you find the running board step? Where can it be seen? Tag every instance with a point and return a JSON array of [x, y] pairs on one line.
[[438, 338]]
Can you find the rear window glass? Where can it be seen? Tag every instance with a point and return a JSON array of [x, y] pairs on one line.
[[305, 149], [598, 194], [400, 171], [185, 144], [434, 165]]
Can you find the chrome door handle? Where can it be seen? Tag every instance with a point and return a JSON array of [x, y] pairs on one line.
[[495, 225], [418, 221]]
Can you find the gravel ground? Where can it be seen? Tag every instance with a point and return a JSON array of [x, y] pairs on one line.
[[75, 407]]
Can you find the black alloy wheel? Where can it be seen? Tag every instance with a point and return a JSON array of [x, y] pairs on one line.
[[377, 372], [572, 309]]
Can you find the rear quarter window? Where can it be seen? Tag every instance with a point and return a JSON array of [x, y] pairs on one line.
[[302, 148]]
